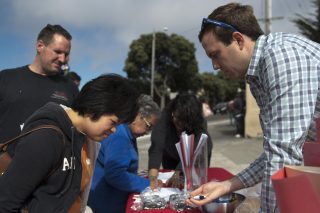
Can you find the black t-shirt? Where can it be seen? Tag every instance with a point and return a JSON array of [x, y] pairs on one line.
[[45, 172], [23, 91]]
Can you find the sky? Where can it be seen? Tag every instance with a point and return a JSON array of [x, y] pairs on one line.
[[103, 30]]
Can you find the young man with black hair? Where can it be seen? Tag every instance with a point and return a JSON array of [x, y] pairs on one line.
[[49, 175]]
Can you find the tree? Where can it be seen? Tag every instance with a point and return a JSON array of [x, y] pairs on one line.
[[219, 88], [176, 67], [309, 27]]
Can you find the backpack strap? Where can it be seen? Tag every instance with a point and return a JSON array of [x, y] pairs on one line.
[[4, 146]]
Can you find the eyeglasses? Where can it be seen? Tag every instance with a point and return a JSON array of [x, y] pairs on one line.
[[148, 124], [206, 21]]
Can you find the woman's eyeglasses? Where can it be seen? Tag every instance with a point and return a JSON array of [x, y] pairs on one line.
[[206, 21], [148, 124]]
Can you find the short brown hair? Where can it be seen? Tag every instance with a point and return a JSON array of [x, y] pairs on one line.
[[239, 16], [46, 34]]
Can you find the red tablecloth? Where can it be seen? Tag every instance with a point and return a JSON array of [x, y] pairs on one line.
[[213, 174]]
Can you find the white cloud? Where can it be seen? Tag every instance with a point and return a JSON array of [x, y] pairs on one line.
[[104, 29]]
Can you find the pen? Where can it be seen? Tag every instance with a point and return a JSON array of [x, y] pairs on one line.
[[199, 197]]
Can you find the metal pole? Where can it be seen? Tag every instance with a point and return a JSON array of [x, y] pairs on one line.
[[153, 62], [268, 16]]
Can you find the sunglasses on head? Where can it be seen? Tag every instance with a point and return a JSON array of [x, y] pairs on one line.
[[206, 21]]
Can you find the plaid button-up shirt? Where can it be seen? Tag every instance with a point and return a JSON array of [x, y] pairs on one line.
[[284, 76]]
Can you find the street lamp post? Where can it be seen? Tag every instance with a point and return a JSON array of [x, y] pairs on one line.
[[153, 59], [153, 62]]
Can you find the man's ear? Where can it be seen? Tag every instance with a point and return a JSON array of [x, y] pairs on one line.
[[238, 37], [40, 45]]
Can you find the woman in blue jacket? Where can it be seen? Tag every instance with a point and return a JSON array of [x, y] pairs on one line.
[[115, 175]]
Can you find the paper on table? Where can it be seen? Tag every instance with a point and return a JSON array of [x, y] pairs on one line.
[[164, 176]]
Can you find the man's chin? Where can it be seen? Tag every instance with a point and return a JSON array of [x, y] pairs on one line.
[[230, 75], [54, 72], [233, 77]]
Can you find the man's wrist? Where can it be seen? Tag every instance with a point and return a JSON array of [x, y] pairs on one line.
[[153, 174], [153, 177]]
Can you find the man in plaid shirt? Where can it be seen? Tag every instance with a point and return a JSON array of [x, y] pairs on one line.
[[283, 72]]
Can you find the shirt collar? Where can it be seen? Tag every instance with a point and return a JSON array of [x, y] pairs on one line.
[[126, 130], [254, 68]]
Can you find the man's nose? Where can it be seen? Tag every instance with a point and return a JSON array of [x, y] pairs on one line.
[[215, 65], [63, 58]]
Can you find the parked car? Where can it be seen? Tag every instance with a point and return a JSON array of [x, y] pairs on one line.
[[220, 108]]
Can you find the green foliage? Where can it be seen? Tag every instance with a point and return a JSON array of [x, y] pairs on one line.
[[219, 88], [308, 26], [176, 68], [175, 63]]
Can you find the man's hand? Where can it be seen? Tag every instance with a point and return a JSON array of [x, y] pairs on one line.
[[213, 190], [154, 184], [153, 177]]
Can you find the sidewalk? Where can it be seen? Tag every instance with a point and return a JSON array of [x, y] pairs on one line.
[[230, 153]]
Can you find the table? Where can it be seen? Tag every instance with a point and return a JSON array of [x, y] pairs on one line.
[[214, 173]]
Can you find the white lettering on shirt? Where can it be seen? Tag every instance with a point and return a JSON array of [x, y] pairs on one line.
[[68, 164]]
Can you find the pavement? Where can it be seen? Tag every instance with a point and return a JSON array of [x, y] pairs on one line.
[[230, 153]]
